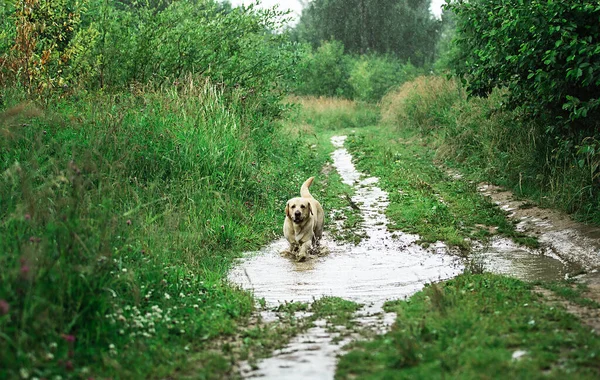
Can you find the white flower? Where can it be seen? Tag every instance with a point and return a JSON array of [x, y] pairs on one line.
[[49, 356], [167, 296], [24, 373], [111, 346]]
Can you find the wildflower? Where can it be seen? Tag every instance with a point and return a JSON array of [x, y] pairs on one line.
[[49, 356], [69, 365], [24, 373], [129, 222], [167, 296], [68, 338], [4, 307], [53, 345], [124, 270]]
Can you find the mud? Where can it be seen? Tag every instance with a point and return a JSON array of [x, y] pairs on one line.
[[559, 235]]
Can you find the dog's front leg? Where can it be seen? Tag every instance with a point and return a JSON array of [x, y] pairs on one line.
[[304, 249]]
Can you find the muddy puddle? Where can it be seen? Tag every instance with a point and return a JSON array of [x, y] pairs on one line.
[[562, 240], [503, 256]]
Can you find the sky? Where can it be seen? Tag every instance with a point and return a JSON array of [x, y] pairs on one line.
[[296, 6]]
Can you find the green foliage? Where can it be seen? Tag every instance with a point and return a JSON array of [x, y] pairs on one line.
[[403, 28], [473, 325], [491, 143], [68, 46], [547, 53], [373, 76], [119, 218], [324, 72], [329, 72]]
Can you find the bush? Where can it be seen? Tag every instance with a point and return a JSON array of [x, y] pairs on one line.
[[373, 76], [547, 53], [324, 72], [67, 46]]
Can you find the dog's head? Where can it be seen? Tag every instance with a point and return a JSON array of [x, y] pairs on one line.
[[298, 209]]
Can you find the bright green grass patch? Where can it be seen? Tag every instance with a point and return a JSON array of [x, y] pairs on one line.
[[423, 199], [470, 327]]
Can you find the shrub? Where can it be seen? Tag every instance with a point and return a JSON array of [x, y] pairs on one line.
[[324, 72], [371, 77], [547, 53]]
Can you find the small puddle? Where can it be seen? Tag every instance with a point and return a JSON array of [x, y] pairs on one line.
[[562, 240], [381, 267], [503, 256]]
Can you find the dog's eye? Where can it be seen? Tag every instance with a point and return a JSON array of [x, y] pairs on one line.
[[303, 206], [294, 206]]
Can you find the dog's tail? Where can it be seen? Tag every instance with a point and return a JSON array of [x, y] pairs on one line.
[[304, 189]]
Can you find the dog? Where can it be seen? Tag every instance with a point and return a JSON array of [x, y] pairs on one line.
[[303, 225]]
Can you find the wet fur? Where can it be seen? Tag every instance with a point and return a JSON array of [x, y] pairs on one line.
[[303, 225]]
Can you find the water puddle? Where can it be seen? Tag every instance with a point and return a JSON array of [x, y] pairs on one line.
[[572, 243], [503, 256], [381, 267]]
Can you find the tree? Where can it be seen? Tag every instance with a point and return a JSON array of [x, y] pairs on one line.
[[404, 28]]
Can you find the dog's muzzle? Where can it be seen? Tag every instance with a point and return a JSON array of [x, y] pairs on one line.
[[297, 217]]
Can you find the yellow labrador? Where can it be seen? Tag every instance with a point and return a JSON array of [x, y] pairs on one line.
[[303, 226]]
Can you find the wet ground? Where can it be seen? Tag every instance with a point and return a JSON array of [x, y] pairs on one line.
[[560, 236], [381, 267]]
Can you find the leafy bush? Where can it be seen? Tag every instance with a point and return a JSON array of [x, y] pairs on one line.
[[324, 72], [68, 46], [373, 76], [547, 53]]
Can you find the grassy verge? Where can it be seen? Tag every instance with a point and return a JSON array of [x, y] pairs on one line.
[[489, 143], [119, 218], [423, 199], [475, 325]]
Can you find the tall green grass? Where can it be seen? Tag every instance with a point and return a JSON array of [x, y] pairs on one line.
[[494, 144], [119, 217]]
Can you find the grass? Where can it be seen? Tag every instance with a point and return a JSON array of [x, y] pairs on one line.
[[423, 199], [489, 143], [470, 327], [119, 218]]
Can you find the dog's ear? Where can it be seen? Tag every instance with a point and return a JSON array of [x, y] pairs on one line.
[[287, 210], [310, 209]]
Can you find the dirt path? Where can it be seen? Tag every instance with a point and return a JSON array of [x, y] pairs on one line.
[[386, 266], [382, 267]]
